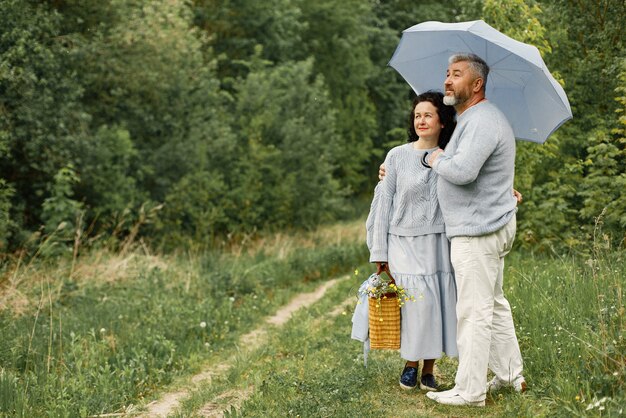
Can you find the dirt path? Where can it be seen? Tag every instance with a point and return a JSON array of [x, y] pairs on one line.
[[234, 398], [248, 342]]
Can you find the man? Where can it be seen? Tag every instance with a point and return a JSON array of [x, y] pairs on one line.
[[474, 189]]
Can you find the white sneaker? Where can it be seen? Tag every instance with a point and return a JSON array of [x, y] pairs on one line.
[[519, 384], [445, 394], [452, 397]]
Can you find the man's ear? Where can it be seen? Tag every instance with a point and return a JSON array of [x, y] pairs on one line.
[[478, 84]]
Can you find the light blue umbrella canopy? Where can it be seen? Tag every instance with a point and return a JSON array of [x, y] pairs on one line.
[[519, 83]]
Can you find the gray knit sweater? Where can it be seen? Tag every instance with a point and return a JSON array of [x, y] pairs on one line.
[[405, 201], [475, 186]]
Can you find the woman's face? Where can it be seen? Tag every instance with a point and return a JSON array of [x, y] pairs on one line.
[[426, 121]]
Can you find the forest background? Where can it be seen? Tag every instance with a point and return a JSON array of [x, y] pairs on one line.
[[192, 122]]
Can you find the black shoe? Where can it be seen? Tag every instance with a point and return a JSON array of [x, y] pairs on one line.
[[408, 378], [427, 382]]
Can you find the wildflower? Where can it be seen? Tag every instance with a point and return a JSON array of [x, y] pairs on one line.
[[344, 313], [232, 299], [577, 398], [102, 330], [356, 272], [202, 324]]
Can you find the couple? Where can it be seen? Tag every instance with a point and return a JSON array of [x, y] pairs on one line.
[[469, 189]]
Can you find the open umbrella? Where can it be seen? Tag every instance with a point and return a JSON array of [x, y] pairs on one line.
[[519, 82]]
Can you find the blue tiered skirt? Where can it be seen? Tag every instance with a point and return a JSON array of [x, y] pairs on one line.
[[421, 265]]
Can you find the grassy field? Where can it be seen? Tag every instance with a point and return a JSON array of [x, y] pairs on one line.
[[570, 321], [108, 333], [101, 333]]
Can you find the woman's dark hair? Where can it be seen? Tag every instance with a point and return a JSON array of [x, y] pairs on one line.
[[446, 116]]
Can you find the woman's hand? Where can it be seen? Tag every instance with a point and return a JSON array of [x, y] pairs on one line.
[[381, 171]]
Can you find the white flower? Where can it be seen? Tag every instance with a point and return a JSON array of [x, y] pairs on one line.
[[102, 330], [232, 299], [202, 324], [374, 280]]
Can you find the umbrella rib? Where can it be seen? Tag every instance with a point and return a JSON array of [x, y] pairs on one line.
[[501, 59]]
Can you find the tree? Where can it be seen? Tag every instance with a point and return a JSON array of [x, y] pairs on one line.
[[41, 119], [288, 128], [603, 189]]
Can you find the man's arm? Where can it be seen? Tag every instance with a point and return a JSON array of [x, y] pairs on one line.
[[477, 143]]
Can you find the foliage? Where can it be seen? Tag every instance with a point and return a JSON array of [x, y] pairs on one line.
[[603, 189], [592, 43], [281, 110], [60, 209], [40, 113], [6, 192], [286, 117], [195, 209]]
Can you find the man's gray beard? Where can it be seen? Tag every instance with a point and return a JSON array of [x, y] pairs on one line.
[[450, 100]]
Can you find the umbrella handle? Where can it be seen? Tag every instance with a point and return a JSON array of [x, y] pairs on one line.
[[424, 162]]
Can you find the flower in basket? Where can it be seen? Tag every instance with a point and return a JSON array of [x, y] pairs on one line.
[[383, 287]]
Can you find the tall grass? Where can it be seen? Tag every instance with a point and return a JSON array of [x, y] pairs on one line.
[[571, 322], [99, 333], [569, 317]]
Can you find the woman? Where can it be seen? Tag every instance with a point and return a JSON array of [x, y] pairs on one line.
[[406, 233]]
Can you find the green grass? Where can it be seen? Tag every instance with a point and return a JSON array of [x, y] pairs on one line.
[[570, 321], [102, 340]]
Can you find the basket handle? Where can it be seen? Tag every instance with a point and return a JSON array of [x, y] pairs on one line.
[[384, 267]]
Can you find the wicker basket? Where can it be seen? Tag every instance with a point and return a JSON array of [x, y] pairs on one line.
[[384, 323]]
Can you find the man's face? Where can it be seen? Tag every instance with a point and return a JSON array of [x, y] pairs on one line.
[[459, 83]]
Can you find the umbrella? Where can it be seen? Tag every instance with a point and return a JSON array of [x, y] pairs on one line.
[[519, 82]]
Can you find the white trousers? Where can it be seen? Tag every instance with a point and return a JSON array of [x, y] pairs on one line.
[[485, 332]]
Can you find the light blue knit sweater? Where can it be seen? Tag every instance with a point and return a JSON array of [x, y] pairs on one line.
[[405, 201], [476, 170]]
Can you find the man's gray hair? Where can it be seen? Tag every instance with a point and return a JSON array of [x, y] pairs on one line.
[[476, 63]]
